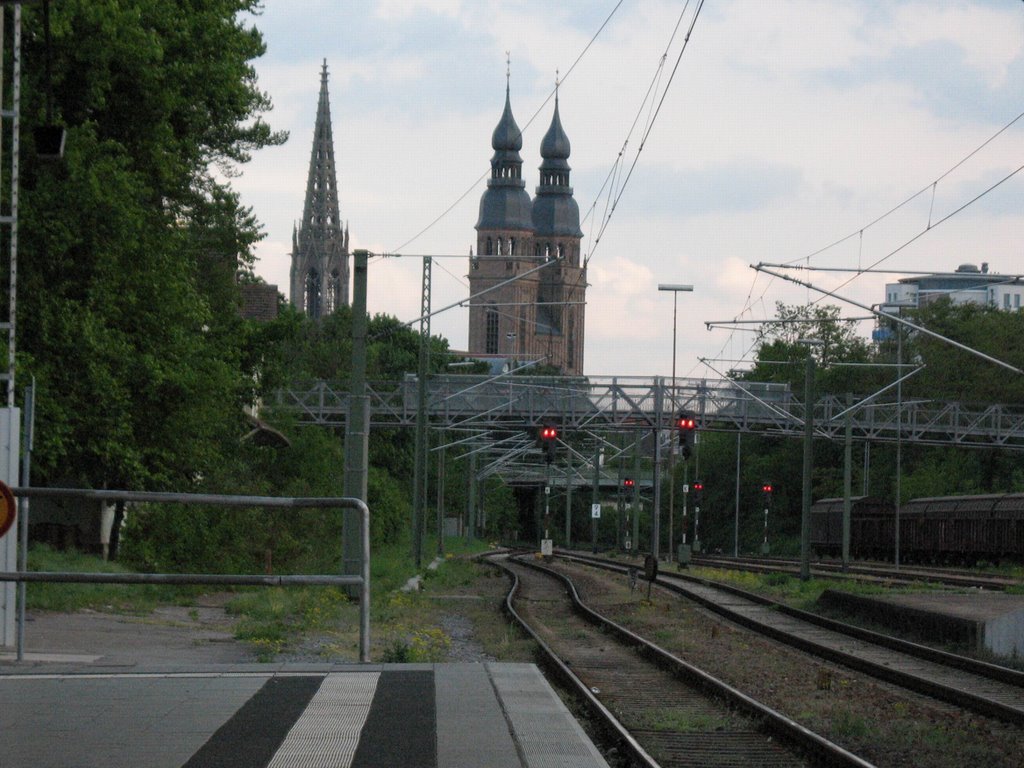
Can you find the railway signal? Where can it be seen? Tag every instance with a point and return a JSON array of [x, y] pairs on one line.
[[687, 426], [766, 496], [628, 483], [548, 439]]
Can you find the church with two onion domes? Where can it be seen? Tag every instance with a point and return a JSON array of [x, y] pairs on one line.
[[519, 311]]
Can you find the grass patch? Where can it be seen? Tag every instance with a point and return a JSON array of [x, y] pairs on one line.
[[678, 720], [119, 598], [800, 594]]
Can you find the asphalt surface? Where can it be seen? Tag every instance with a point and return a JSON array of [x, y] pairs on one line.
[[169, 636]]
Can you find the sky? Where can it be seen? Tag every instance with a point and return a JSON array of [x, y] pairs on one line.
[[779, 132]]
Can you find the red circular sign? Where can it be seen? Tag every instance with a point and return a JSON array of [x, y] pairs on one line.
[[7, 509]]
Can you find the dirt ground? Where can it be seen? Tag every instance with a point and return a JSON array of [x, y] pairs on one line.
[[169, 636]]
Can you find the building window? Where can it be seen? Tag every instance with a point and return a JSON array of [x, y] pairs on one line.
[[491, 338], [1006, 301], [490, 247], [1016, 301]]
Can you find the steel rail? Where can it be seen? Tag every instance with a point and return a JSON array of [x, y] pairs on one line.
[[775, 722], [958, 697], [853, 571], [601, 713]]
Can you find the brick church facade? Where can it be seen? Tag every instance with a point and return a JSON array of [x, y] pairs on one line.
[[539, 317]]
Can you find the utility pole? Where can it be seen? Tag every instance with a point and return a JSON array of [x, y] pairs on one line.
[[805, 507], [471, 512], [595, 498], [420, 473], [659, 406], [357, 426]]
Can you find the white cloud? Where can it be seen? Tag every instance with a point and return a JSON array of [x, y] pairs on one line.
[[789, 126], [991, 38]]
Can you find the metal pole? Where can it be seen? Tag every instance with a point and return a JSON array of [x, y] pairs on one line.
[[847, 481], [865, 481], [899, 440], [736, 529], [568, 502], [420, 471], [805, 510], [659, 406], [23, 504], [440, 498], [357, 425], [547, 503], [672, 443], [686, 495], [636, 495], [471, 512], [595, 497]]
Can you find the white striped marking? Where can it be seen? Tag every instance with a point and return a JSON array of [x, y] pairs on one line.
[[327, 733]]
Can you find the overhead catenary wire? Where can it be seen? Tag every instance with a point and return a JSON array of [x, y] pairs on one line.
[[528, 123], [650, 125], [859, 232]]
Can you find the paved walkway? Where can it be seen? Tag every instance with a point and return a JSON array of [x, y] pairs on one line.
[[363, 716]]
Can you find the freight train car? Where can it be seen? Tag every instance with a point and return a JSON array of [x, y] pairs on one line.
[[957, 529], [868, 517]]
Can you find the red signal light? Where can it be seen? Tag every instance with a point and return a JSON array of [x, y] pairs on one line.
[[766, 488], [548, 433], [628, 482], [698, 487], [686, 422]]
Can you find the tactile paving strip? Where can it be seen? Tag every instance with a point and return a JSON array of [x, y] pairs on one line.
[[327, 733]]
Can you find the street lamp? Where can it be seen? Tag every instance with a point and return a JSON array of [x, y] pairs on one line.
[[805, 507], [675, 288]]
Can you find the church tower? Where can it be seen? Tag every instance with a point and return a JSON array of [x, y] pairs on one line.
[[557, 233], [540, 317], [319, 276], [501, 322]]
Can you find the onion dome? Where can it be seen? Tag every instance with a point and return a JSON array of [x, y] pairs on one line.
[[505, 205], [555, 211]]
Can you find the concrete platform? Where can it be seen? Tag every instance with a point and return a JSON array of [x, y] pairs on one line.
[[360, 716], [987, 621]]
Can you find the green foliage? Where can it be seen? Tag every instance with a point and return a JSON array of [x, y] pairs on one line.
[[129, 245], [953, 374], [127, 598]]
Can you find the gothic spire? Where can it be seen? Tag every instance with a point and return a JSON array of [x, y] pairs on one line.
[[320, 243], [320, 218]]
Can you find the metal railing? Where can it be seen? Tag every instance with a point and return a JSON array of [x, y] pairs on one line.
[[362, 580]]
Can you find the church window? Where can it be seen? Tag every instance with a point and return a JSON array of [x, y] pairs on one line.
[[311, 297], [490, 247], [491, 337]]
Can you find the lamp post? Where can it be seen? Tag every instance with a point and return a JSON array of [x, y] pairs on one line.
[[675, 288], [805, 507]]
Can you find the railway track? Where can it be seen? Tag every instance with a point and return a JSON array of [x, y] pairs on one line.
[[660, 710], [863, 572], [976, 686]]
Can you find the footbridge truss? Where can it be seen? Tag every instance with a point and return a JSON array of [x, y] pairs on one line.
[[505, 411]]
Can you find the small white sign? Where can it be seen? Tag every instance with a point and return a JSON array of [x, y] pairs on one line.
[[686, 488], [595, 511], [546, 548]]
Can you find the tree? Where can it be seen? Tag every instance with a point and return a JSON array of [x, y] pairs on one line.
[[130, 245]]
